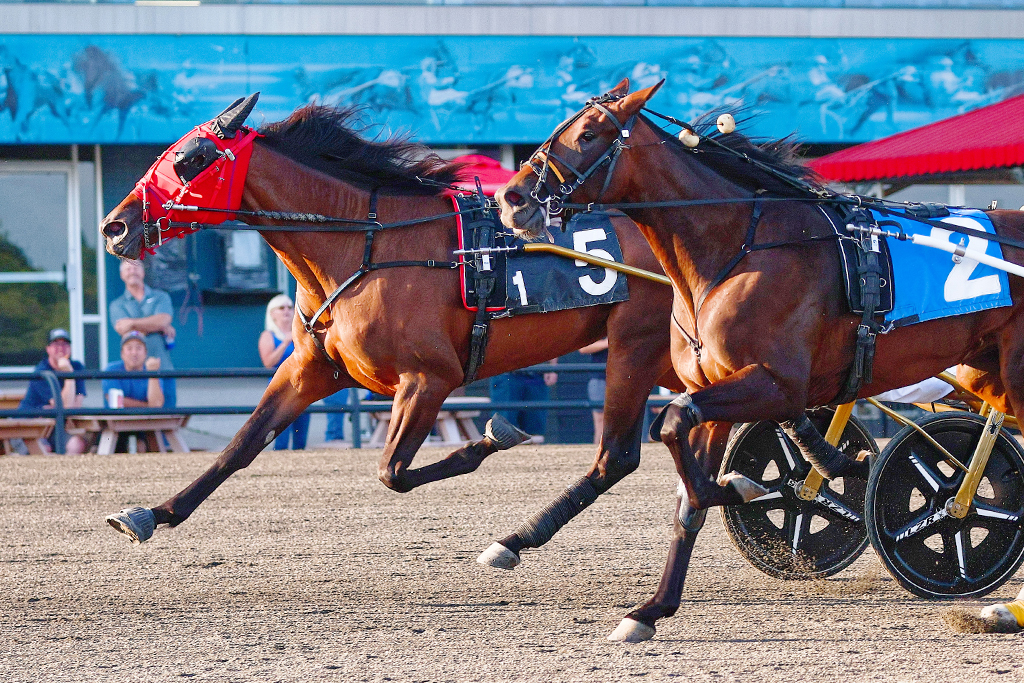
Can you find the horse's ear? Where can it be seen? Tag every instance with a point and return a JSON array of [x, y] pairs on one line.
[[621, 89], [231, 119], [633, 103]]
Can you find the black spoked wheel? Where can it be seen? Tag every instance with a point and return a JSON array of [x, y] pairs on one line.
[[928, 552], [781, 534]]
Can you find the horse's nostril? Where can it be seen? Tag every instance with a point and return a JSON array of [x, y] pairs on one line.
[[513, 198], [113, 229]]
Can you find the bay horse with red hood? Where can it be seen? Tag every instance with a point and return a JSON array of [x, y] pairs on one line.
[[401, 331], [757, 333]]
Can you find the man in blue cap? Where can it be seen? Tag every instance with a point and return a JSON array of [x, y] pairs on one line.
[[39, 394]]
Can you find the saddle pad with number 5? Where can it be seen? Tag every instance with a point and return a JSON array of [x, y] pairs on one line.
[[541, 283], [929, 284]]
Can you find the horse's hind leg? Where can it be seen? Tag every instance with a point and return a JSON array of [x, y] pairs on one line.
[[709, 439], [291, 390]]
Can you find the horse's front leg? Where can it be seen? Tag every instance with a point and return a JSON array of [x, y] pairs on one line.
[[413, 414], [499, 435], [748, 395], [709, 440], [293, 388], [633, 367]]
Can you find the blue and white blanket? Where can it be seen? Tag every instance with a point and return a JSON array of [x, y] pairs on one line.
[[929, 283]]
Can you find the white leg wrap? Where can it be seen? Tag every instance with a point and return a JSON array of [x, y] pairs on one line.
[[1002, 618], [631, 631]]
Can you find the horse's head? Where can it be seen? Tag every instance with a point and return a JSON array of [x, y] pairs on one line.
[[206, 169], [579, 160]]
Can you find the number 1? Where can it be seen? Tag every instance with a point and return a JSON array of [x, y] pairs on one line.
[[517, 280]]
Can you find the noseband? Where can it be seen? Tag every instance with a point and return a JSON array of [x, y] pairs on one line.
[[540, 161]]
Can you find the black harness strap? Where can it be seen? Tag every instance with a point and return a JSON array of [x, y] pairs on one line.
[[481, 226], [869, 273], [748, 246], [365, 267]]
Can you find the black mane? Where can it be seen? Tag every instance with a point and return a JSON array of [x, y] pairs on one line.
[[329, 140], [779, 156]]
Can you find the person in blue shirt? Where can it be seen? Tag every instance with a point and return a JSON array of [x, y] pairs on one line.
[[149, 311], [275, 344], [39, 395], [139, 392]]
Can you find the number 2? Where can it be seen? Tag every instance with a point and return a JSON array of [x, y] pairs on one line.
[[959, 285]]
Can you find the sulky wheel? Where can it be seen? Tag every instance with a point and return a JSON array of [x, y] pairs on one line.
[[928, 552], [781, 534]]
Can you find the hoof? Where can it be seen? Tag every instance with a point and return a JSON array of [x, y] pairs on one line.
[[747, 488], [990, 621], [631, 631], [499, 556], [1004, 616], [135, 523], [503, 433]]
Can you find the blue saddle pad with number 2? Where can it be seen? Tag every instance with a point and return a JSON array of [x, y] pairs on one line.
[[929, 284]]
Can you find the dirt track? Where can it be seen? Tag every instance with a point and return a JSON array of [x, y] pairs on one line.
[[305, 568]]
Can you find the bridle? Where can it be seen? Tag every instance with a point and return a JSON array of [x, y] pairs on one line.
[[540, 161]]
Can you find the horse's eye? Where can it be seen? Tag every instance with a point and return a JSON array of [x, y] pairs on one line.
[[588, 135]]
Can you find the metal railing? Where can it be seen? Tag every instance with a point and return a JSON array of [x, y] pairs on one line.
[[355, 408]]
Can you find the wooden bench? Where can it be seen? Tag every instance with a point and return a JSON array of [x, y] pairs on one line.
[[32, 430], [10, 399], [453, 427], [110, 427]]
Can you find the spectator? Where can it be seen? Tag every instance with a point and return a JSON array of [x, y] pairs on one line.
[[525, 386], [137, 392], [598, 352], [149, 311], [275, 345], [40, 395]]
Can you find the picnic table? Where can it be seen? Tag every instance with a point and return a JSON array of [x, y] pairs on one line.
[[31, 430], [110, 427]]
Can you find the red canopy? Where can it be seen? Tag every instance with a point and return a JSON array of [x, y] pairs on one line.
[[492, 174], [990, 137]]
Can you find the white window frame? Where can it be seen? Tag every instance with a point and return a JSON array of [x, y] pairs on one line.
[[73, 277]]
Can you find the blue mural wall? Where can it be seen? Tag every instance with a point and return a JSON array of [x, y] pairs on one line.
[[486, 89]]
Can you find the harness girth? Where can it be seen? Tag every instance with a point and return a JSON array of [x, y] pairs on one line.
[[481, 226]]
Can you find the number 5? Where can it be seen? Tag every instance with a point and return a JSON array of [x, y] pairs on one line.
[[579, 243]]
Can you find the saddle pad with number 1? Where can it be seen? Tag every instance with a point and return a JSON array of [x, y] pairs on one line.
[[541, 283]]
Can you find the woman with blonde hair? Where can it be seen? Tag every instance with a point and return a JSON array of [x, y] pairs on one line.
[[275, 345]]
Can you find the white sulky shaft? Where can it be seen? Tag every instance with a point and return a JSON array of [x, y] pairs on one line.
[[945, 245], [980, 257]]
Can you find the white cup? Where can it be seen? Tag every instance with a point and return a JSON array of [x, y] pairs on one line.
[[115, 398]]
